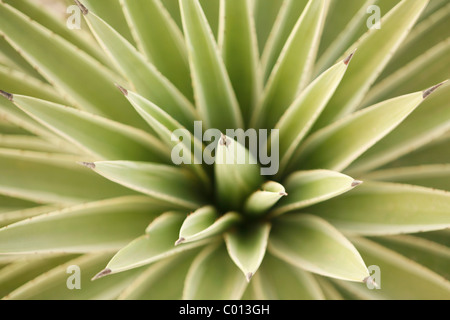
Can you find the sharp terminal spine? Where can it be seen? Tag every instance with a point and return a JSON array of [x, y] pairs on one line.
[[7, 95], [83, 9]]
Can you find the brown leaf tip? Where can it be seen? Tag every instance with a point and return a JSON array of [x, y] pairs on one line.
[[89, 165], [283, 194], [83, 9], [349, 58], [357, 183], [428, 92], [249, 276], [371, 281], [6, 95], [180, 241], [122, 89], [101, 274]]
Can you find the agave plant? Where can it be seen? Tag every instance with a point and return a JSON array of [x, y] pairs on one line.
[[359, 207]]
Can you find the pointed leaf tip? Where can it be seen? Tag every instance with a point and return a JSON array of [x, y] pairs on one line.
[[101, 274], [249, 276], [83, 9], [356, 183], [284, 194], [7, 95], [428, 92], [349, 58], [89, 165], [180, 241], [122, 89]]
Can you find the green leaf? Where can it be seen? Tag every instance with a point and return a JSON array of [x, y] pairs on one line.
[[330, 148], [430, 254], [288, 16], [293, 68], [173, 7], [211, 8], [85, 82], [428, 32], [277, 280], [388, 209], [205, 223], [14, 116], [298, 119], [344, 25], [159, 37], [327, 252], [237, 42], [15, 81], [237, 173], [43, 177], [247, 247], [307, 188], [164, 280], [103, 225], [262, 200], [156, 244], [397, 271], [426, 124], [213, 276], [53, 284], [8, 204], [216, 101], [430, 176], [329, 291], [375, 48], [192, 149], [146, 79], [12, 59], [166, 183], [89, 132]]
